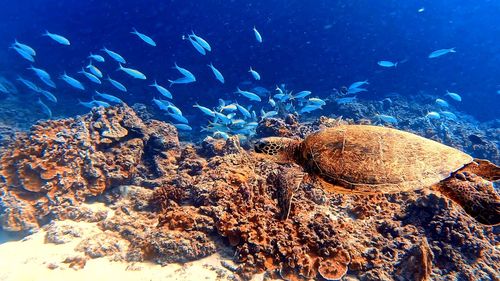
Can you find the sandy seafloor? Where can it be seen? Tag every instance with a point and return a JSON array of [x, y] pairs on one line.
[[32, 259]]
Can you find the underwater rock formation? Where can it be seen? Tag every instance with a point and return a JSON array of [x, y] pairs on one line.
[[63, 162], [177, 202]]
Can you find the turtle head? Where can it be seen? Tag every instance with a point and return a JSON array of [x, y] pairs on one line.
[[281, 149]]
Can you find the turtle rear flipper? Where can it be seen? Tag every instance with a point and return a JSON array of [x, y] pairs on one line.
[[475, 195]]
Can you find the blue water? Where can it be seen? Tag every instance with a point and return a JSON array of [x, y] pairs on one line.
[[314, 45]]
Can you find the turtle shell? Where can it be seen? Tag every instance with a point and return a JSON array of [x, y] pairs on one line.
[[373, 159]]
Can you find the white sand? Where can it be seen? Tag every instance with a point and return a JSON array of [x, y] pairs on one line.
[[29, 259]]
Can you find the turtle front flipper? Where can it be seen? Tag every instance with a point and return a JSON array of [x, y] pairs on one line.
[[484, 169], [474, 194]]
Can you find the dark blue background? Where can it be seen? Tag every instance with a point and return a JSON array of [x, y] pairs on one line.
[[316, 45]]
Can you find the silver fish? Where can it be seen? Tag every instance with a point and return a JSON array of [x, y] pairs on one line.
[[58, 38], [441, 52], [144, 37]]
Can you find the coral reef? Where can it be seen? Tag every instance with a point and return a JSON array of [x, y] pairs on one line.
[[177, 202], [62, 162]]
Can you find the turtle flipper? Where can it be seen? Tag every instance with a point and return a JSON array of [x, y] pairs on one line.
[[476, 196], [484, 169]]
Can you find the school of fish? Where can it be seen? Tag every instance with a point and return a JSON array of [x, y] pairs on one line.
[[237, 116]]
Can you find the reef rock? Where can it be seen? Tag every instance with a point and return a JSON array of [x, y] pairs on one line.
[[63, 162], [176, 202]]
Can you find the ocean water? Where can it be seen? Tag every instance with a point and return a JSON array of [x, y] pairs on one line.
[[313, 45]]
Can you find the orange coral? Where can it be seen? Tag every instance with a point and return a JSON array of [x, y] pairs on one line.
[[65, 161]]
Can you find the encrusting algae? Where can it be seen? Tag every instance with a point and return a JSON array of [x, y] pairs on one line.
[[175, 202]]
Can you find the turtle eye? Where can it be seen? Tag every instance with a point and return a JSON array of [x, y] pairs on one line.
[[259, 147]]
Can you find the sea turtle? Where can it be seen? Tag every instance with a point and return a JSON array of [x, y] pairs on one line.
[[372, 159]]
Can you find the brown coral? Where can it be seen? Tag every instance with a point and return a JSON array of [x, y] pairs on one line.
[[173, 203], [62, 162]]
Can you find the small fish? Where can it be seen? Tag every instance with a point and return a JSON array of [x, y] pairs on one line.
[[442, 103], [387, 118], [272, 102], [183, 127], [385, 63], [356, 90], [90, 76], [243, 111], [179, 118], [454, 96], [101, 103], [94, 70], [89, 104], [220, 135], [45, 108], [230, 107], [421, 10], [24, 47], [214, 126], [281, 97], [144, 37], [48, 95], [217, 73], [316, 101], [309, 108], [255, 74], [161, 105], [346, 100], [182, 80], [24, 54], [268, 114], [261, 91], [252, 124], [185, 72], [3, 89], [441, 52], [117, 84], [114, 55], [94, 103], [301, 94], [29, 84], [448, 115], [108, 97], [197, 46], [40, 72], [201, 41], [58, 38], [72, 81], [358, 84], [164, 92], [97, 58], [48, 82], [239, 123], [433, 115], [205, 110], [258, 37], [223, 118], [251, 96], [132, 72], [173, 108]]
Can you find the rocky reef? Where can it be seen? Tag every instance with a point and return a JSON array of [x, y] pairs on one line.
[[176, 202], [63, 162]]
